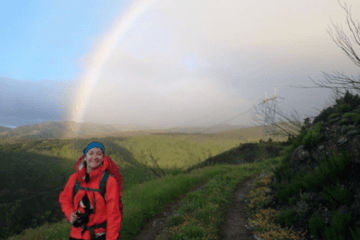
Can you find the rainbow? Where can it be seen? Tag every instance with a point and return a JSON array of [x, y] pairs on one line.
[[90, 77]]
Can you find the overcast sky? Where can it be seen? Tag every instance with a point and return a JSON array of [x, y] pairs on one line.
[[178, 62]]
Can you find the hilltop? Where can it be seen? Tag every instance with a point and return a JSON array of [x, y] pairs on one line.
[[68, 130], [3, 129], [315, 189], [54, 130]]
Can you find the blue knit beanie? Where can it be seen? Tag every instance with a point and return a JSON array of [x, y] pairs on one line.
[[93, 145]]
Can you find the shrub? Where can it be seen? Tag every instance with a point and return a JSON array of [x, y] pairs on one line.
[[337, 165], [356, 118], [337, 195], [287, 217], [345, 107], [339, 227], [352, 116], [356, 233], [343, 121], [349, 98], [293, 200], [317, 225], [301, 208], [313, 136], [315, 180], [343, 104], [347, 115], [324, 115], [334, 115]]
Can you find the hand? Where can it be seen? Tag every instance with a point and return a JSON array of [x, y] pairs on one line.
[[72, 217]]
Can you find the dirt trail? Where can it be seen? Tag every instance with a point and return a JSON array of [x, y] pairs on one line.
[[234, 228], [155, 226]]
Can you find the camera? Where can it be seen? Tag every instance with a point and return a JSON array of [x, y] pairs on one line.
[[82, 218]]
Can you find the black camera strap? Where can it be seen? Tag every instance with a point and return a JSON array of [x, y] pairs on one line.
[[92, 229]]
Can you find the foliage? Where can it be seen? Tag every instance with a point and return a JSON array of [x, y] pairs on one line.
[[313, 136], [307, 121], [335, 167], [355, 234], [262, 220], [344, 104], [339, 226], [345, 107], [348, 102], [334, 115], [337, 195], [287, 217], [10, 226], [324, 114], [317, 225], [343, 121], [352, 116]]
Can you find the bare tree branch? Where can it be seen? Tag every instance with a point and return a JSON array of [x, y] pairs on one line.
[[338, 81]]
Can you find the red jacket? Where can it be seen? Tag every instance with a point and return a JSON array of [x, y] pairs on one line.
[[107, 210]]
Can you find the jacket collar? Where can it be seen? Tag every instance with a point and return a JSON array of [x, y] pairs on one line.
[[81, 169]]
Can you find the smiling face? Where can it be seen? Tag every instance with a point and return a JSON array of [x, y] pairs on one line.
[[94, 158]]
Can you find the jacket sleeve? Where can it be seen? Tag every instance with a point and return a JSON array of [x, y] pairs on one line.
[[112, 210], [66, 198]]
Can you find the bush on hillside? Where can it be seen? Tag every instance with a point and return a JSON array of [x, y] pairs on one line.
[[317, 225], [350, 99], [344, 104], [313, 136]]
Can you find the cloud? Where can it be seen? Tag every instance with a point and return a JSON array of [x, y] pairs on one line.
[[24, 102], [185, 59]]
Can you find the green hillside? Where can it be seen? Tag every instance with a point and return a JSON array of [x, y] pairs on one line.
[[35, 171]]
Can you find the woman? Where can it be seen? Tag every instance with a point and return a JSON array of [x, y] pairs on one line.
[[92, 215]]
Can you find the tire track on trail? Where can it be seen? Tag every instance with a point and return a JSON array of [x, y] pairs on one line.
[[234, 228]]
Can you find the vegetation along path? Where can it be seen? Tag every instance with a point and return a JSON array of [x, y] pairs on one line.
[[236, 221], [155, 225]]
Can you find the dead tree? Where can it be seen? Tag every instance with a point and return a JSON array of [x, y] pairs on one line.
[[338, 81]]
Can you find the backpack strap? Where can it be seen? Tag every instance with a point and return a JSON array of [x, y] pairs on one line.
[[76, 187], [92, 228], [102, 185], [103, 182]]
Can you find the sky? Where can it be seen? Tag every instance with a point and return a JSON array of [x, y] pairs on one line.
[[164, 63]]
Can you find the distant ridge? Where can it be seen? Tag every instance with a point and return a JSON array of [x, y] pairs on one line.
[[51, 130], [69, 129], [3, 129], [211, 129]]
